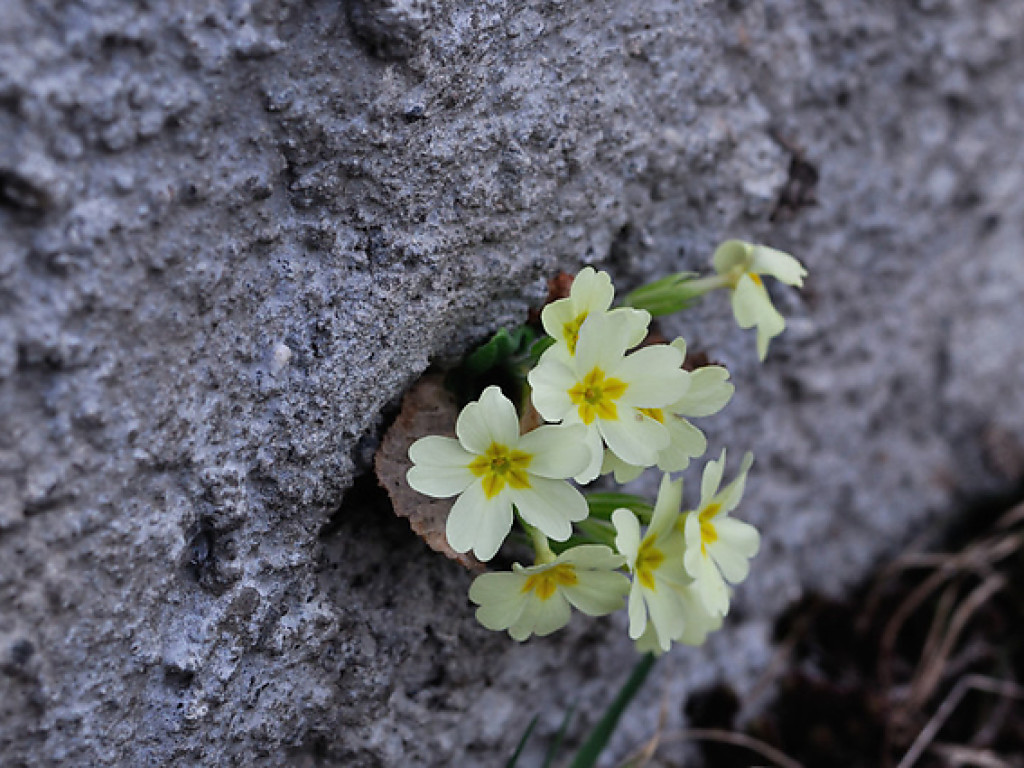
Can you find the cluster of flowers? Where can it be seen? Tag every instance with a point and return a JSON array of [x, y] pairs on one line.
[[610, 410]]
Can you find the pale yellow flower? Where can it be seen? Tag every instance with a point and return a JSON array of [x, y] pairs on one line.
[[656, 563], [744, 264], [536, 600], [718, 547], [610, 393], [591, 294], [490, 467]]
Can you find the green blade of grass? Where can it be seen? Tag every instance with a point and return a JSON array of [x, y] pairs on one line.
[[556, 745], [598, 739], [522, 743]]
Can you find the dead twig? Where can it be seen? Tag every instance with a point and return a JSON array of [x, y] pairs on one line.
[[766, 751], [1002, 688], [931, 673], [958, 755]]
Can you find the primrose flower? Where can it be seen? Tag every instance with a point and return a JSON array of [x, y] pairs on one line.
[[591, 294], [717, 545], [707, 390], [656, 562], [697, 626], [536, 600], [491, 467], [611, 393], [744, 263]]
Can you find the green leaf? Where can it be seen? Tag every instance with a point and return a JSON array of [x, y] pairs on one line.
[[591, 750], [556, 745], [603, 504], [522, 743], [486, 356], [540, 346]]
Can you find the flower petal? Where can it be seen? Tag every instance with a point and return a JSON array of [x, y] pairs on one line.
[[699, 623], [596, 448], [634, 324], [739, 536], [637, 609], [593, 557], [591, 291], [708, 393], [627, 535], [555, 316], [679, 343], [439, 482], [500, 598], [666, 613], [598, 593], [653, 375], [733, 566], [541, 617], [491, 419], [557, 451], [441, 467], [551, 381], [730, 496], [781, 266], [479, 523], [710, 587], [685, 442], [624, 473], [551, 506], [751, 305], [666, 507], [601, 344], [635, 438], [711, 479]]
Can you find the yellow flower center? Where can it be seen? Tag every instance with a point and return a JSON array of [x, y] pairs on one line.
[[756, 278], [498, 465], [648, 560], [546, 583], [595, 396], [655, 413], [571, 331], [708, 533]]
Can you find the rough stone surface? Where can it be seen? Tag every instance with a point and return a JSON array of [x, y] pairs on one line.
[[232, 233]]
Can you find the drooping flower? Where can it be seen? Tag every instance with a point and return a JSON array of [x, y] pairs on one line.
[[698, 624], [536, 600], [656, 563], [591, 294], [718, 547], [744, 264], [707, 390], [490, 467], [610, 392]]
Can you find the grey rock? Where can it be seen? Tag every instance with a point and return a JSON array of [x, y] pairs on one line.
[[232, 234]]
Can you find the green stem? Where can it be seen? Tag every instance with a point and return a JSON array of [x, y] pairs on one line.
[[541, 549], [598, 532]]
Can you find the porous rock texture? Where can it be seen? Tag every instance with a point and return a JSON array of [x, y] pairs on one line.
[[233, 233]]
